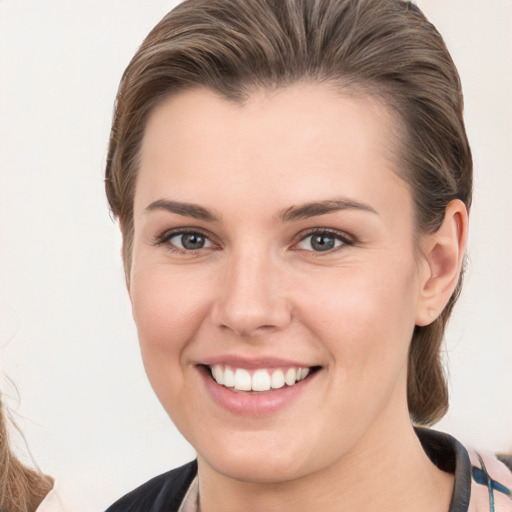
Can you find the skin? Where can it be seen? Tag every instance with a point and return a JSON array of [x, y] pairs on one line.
[[257, 288]]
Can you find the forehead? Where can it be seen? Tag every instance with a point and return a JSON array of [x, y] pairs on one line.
[[284, 110], [303, 139]]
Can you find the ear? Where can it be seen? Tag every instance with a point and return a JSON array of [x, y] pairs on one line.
[[443, 254]]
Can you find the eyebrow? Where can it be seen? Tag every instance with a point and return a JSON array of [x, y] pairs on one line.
[[313, 209], [186, 209], [303, 211]]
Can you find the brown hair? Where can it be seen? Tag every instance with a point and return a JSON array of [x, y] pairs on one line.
[[380, 47], [21, 489]]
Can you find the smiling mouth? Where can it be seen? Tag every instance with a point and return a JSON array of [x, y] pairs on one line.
[[261, 379]]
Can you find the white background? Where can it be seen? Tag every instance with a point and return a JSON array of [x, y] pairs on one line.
[[67, 340]]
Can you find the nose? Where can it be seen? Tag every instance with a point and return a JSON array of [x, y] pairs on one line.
[[251, 299]]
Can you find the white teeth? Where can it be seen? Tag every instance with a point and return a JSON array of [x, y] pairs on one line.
[[290, 377], [229, 377], [277, 379], [261, 380], [242, 380], [218, 374], [302, 373]]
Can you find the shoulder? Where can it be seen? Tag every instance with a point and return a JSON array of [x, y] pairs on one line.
[[162, 493], [491, 483], [63, 497], [482, 482], [51, 503]]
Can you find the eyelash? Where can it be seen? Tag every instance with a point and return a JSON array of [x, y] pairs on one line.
[[164, 239], [344, 238], [340, 236]]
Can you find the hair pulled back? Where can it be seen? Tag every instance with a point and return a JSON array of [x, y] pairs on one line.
[[385, 48]]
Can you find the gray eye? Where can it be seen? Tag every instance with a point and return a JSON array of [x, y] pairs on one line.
[[322, 242], [190, 241]]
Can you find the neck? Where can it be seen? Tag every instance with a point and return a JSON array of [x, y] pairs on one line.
[[387, 471]]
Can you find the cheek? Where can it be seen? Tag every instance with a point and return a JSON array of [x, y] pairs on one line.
[[363, 315], [168, 309]]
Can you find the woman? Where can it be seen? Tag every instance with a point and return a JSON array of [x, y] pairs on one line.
[[21, 489], [292, 181]]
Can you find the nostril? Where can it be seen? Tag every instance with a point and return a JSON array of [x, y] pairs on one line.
[[249, 332]]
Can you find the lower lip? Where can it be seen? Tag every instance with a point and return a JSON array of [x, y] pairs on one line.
[[256, 403]]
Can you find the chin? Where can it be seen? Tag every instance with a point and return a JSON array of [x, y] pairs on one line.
[[257, 469], [262, 458]]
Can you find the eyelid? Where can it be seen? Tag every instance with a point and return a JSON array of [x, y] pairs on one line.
[[345, 238], [165, 237]]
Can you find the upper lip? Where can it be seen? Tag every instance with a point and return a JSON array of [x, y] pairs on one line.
[[254, 363]]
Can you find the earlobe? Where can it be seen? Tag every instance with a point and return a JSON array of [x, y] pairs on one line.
[[443, 254]]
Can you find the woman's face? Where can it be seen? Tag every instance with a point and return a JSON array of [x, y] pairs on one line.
[[274, 281]]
